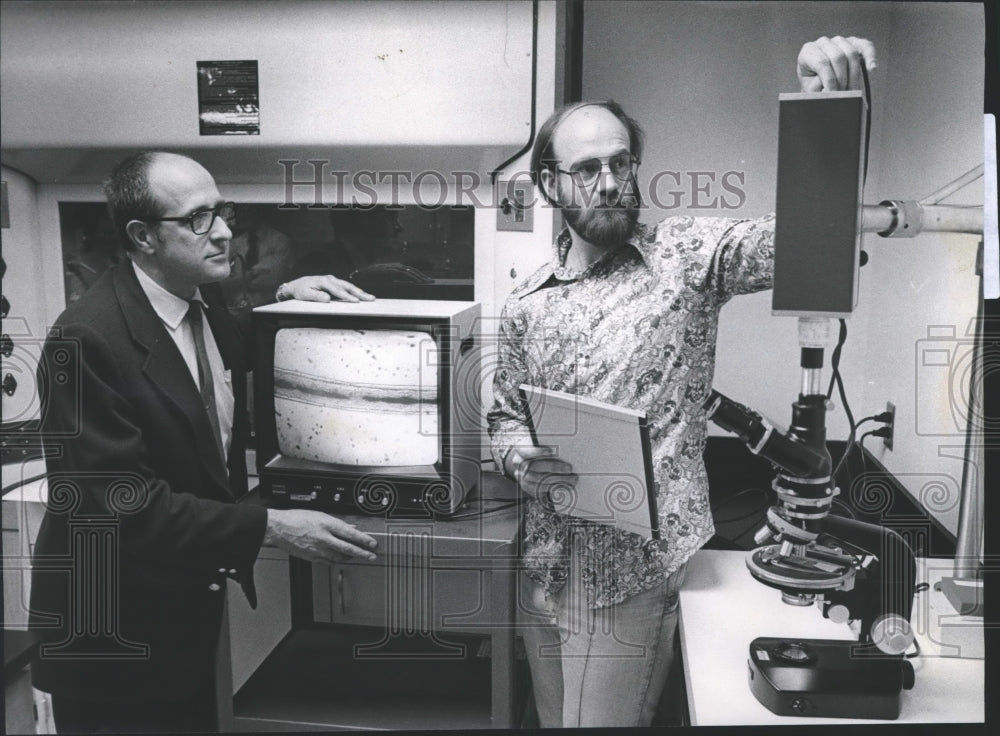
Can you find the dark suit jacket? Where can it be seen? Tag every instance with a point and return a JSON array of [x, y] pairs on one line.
[[141, 528]]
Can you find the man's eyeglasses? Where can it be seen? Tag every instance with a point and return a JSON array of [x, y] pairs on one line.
[[202, 220], [586, 172]]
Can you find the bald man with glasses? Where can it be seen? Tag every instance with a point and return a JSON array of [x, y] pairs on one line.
[[144, 415]]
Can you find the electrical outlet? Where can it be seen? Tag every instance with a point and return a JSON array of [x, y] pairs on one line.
[[891, 424], [514, 211]]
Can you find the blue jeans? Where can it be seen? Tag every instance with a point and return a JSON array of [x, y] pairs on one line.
[[601, 666]]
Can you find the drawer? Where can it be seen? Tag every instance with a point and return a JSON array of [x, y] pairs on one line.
[[404, 597]]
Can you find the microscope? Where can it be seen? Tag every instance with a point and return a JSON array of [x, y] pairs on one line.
[[853, 571], [856, 573]]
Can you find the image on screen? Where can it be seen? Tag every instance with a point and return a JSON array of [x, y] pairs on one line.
[[356, 397]]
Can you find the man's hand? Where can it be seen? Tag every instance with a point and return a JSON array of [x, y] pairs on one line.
[[324, 289], [831, 64], [316, 536], [540, 473]]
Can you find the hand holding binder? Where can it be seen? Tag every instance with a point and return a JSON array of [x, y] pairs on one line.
[[540, 472]]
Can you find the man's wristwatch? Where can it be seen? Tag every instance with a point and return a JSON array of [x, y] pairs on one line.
[[282, 294]]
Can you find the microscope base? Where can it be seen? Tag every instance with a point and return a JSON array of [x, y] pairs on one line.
[[827, 678]]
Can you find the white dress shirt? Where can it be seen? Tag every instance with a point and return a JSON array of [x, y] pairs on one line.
[[171, 310]]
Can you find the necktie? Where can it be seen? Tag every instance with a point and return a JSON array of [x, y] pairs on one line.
[[205, 382]]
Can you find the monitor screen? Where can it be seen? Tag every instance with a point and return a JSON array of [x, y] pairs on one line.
[[365, 407], [357, 397]]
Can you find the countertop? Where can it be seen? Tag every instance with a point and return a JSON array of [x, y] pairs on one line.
[[723, 609]]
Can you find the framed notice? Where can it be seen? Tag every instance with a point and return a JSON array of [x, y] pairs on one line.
[[228, 98]]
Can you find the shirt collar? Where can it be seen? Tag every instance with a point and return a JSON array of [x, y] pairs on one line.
[[639, 239], [170, 308], [560, 249]]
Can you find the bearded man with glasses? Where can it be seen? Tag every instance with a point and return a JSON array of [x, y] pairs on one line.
[[626, 314], [143, 391]]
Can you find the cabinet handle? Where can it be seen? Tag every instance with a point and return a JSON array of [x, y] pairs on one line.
[[340, 591]]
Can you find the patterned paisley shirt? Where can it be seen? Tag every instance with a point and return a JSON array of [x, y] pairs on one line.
[[636, 329]]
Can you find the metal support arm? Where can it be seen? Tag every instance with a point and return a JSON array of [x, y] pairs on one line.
[[908, 218]]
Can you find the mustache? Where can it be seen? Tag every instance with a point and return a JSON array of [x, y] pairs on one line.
[[617, 204], [623, 200]]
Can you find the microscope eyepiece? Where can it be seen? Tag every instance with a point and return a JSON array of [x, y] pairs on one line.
[[734, 417]]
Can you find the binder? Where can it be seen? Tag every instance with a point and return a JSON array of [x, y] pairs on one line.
[[609, 449]]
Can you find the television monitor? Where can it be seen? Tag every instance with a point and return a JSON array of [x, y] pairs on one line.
[[368, 407]]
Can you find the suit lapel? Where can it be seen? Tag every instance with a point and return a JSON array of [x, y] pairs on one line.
[[166, 369]]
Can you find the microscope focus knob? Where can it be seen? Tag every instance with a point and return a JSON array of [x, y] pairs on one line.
[[892, 634]]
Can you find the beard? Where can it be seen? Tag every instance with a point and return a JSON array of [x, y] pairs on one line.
[[605, 225]]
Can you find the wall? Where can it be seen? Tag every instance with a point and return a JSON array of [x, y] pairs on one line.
[[386, 86], [926, 287], [397, 83], [520, 253], [703, 79], [506, 258], [86, 83]]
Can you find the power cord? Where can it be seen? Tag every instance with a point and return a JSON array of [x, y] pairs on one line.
[[753, 514], [920, 588], [484, 511], [848, 511], [882, 431], [733, 499], [861, 444], [23, 482], [838, 380], [502, 503], [866, 435], [882, 418]]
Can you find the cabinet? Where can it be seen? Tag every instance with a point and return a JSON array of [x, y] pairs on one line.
[[421, 638]]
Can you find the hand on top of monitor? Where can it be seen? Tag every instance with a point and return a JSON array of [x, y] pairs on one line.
[[832, 64], [316, 536], [322, 289]]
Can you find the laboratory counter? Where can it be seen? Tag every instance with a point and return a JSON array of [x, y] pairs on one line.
[[723, 608]]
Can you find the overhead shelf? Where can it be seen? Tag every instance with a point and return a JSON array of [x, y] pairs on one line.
[[439, 86]]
